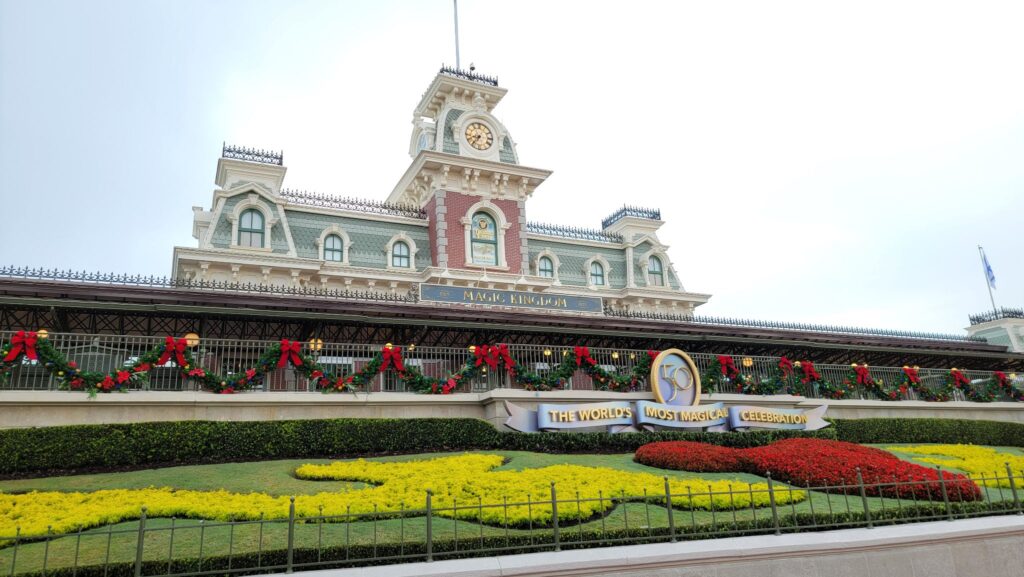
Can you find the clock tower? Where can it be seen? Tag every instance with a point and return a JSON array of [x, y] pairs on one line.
[[465, 174]]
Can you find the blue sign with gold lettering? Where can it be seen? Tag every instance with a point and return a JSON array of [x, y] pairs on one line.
[[503, 298]]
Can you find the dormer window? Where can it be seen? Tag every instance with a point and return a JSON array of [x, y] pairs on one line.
[[545, 268], [400, 255], [334, 248], [596, 274], [484, 240], [655, 273], [250, 229]]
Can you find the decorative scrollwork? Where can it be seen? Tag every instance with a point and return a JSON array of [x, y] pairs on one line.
[[353, 204], [634, 211], [252, 154], [572, 232]]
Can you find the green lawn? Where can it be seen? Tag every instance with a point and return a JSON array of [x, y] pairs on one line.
[[192, 538]]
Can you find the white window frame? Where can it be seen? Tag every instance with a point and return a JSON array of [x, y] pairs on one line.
[[607, 272], [345, 244], [546, 253], [252, 201], [403, 237], [501, 225]]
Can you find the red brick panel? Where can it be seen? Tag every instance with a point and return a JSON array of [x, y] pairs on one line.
[[458, 206]]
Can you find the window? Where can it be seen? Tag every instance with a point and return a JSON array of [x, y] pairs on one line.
[[484, 238], [333, 248], [400, 255], [655, 275], [596, 274], [250, 228], [546, 268]]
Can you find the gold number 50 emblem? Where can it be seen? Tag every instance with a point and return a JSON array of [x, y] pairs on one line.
[[672, 373]]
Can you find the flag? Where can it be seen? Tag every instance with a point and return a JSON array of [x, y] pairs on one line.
[[988, 270]]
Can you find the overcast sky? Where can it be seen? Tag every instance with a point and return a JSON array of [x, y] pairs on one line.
[[813, 161]]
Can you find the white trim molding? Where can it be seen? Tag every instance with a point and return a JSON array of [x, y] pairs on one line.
[[555, 262], [607, 272], [345, 244], [402, 236], [501, 225], [666, 266], [253, 201]]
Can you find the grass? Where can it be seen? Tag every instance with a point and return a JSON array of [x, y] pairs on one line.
[[167, 539]]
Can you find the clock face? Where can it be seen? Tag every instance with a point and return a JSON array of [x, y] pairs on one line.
[[479, 136]]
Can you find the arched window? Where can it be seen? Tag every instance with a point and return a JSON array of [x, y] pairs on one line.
[[545, 267], [655, 274], [334, 248], [484, 239], [250, 228], [400, 255], [596, 274]]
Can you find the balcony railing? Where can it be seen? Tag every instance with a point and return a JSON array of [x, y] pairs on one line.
[[469, 75], [572, 232], [105, 353], [1003, 313]]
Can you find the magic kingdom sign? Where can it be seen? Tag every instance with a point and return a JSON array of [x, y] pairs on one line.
[[676, 386], [504, 298]]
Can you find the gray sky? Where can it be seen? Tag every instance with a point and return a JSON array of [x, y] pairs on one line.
[[817, 162]]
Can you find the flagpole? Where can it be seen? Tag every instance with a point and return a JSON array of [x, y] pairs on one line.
[[988, 284], [457, 63]]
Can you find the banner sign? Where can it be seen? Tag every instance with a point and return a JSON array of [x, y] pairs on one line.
[[517, 299], [625, 416]]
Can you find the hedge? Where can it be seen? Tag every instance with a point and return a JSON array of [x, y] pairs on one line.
[[964, 431], [37, 451]]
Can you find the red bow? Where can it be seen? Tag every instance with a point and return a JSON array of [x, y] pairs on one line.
[[583, 354], [176, 348], [863, 375], [502, 352], [653, 354], [1000, 378], [786, 366], [912, 375], [392, 358], [22, 342], [959, 379], [810, 373], [728, 367], [290, 352], [486, 354]]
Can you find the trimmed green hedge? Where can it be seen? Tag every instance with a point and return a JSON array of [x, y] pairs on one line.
[[90, 447], [930, 431]]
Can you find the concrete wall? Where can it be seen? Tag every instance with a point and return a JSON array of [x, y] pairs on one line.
[[51, 408], [986, 547]]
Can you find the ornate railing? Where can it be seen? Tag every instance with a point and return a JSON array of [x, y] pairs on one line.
[[354, 204], [634, 211], [252, 154], [572, 232], [1003, 313], [218, 286], [778, 325], [469, 75]]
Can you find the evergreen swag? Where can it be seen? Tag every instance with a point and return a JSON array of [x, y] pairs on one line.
[[861, 375], [724, 377], [811, 379], [30, 346]]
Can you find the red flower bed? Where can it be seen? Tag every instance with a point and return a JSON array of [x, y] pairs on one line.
[[814, 463], [688, 456]]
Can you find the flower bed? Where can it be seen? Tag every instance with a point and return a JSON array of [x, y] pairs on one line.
[[466, 480], [832, 465], [986, 464]]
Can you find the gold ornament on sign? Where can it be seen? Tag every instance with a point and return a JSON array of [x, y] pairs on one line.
[[472, 348], [192, 339], [797, 364]]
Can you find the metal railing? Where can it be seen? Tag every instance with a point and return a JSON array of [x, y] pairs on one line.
[[252, 154], [352, 204], [634, 211], [1003, 313], [572, 232], [468, 75], [445, 527], [106, 353], [788, 326]]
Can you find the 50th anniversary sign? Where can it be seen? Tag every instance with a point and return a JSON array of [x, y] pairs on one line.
[[676, 386]]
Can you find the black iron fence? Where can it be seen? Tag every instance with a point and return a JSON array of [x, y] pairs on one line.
[[443, 527], [1002, 313]]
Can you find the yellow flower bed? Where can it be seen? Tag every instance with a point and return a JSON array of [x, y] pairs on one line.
[[465, 481], [972, 459]]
